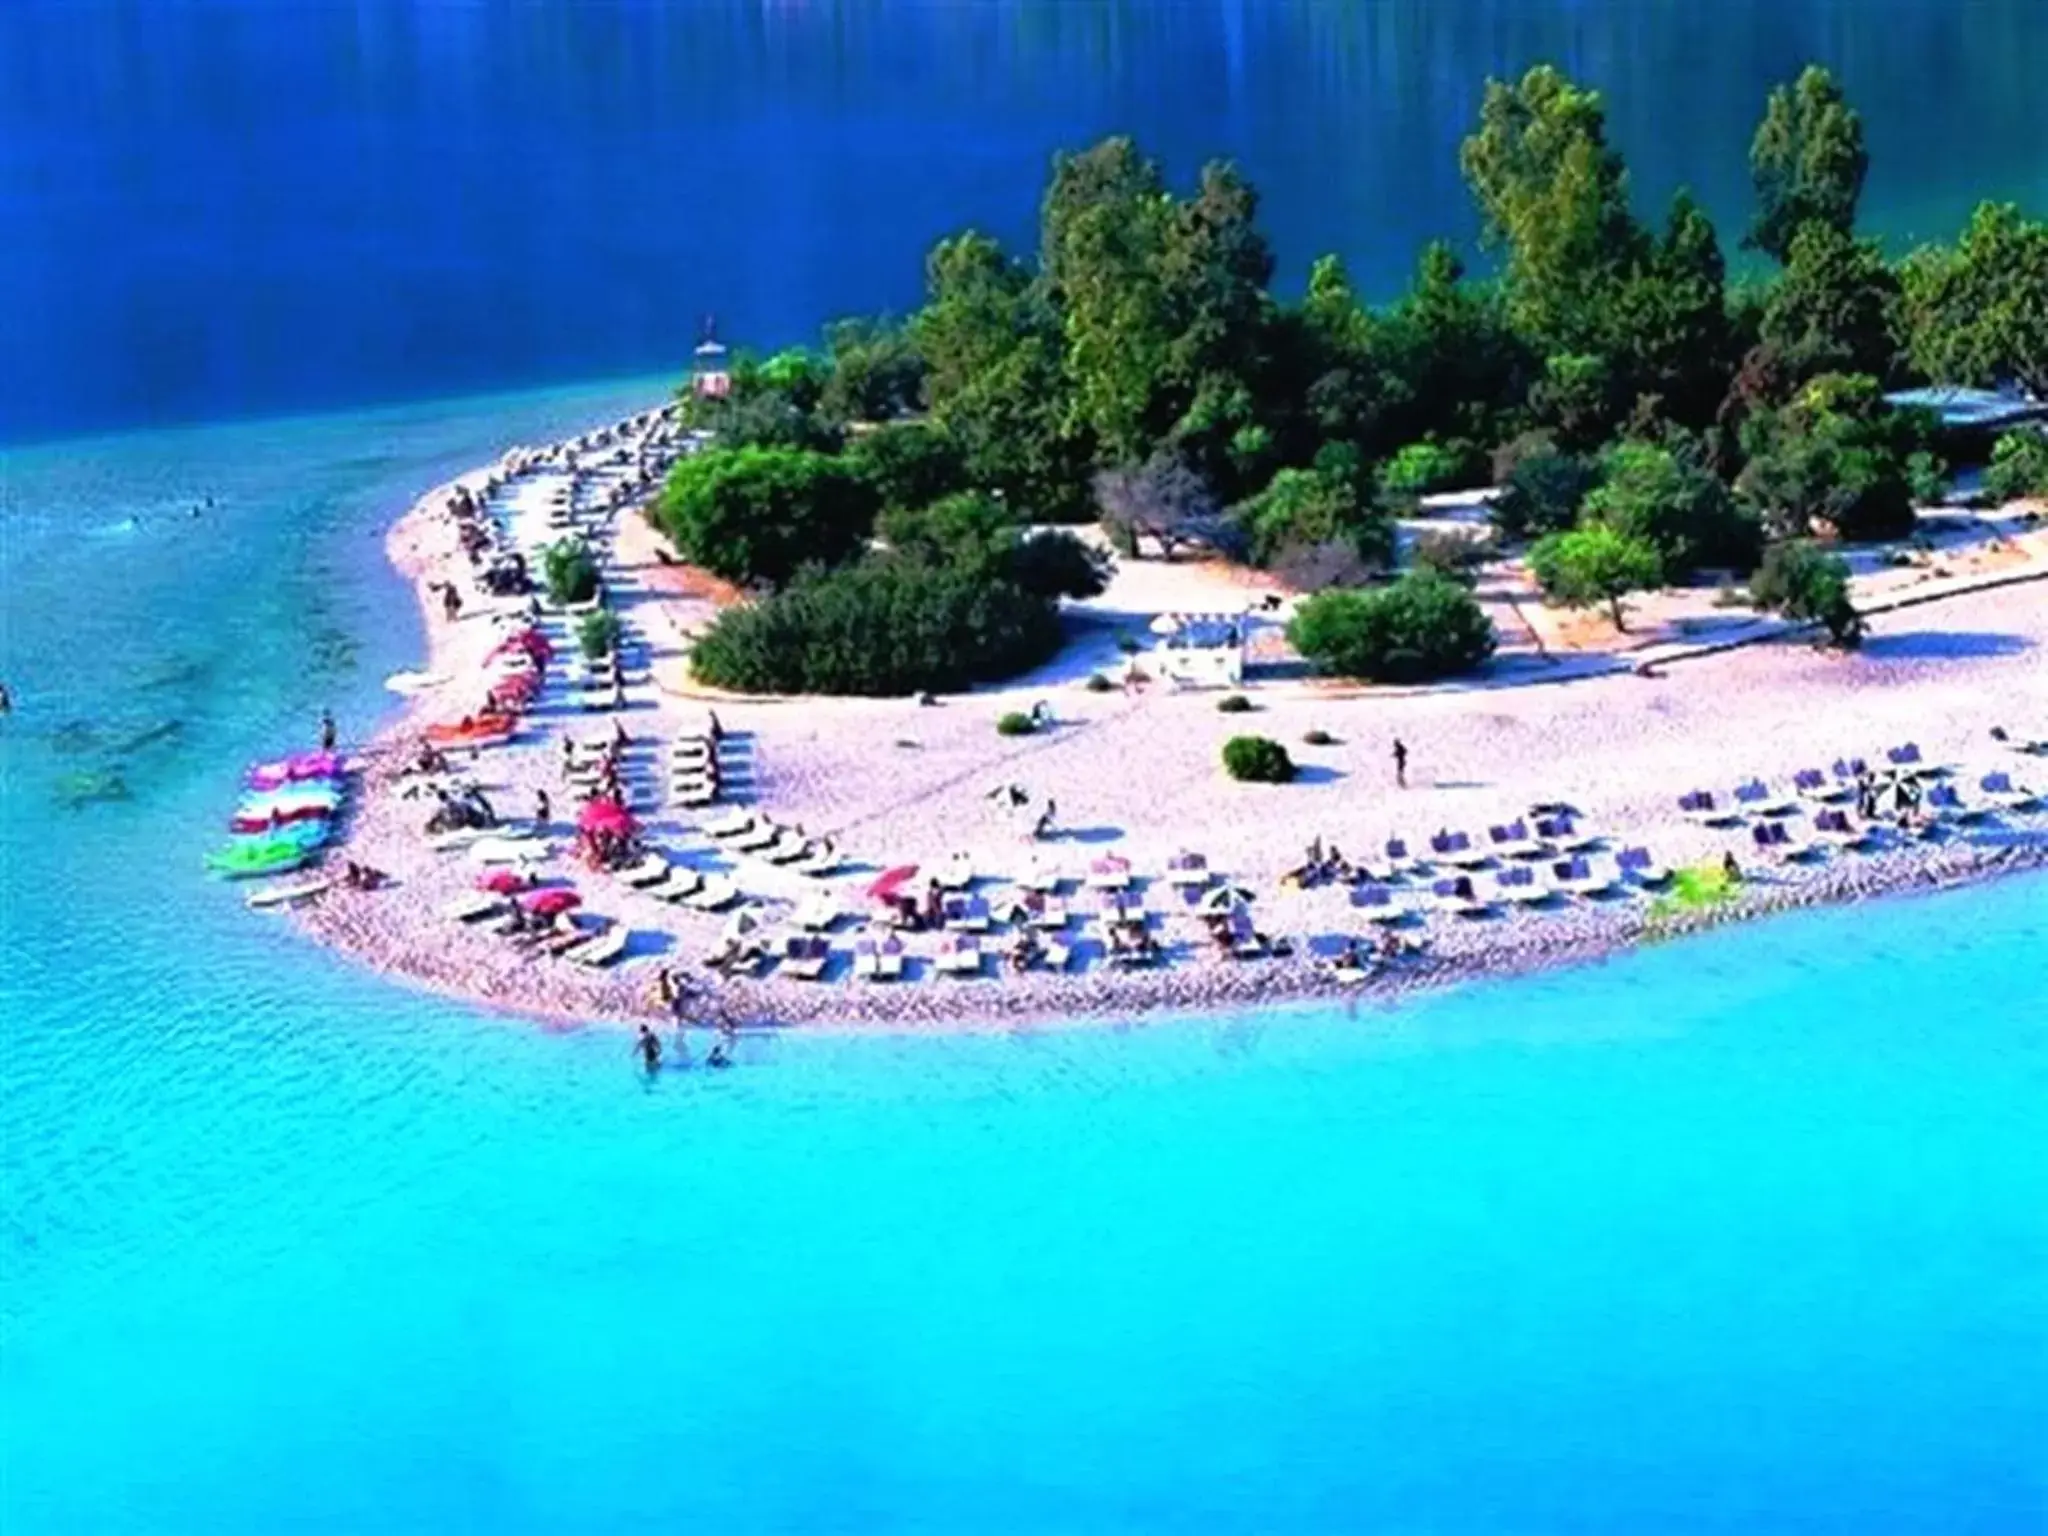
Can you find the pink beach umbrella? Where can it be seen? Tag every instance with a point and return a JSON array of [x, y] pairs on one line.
[[605, 816], [502, 881], [553, 901], [891, 881]]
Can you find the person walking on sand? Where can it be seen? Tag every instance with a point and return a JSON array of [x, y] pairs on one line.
[[326, 730], [1400, 763]]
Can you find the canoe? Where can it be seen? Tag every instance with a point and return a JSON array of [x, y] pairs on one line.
[[408, 684], [296, 769], [269, 856], [277, 817], [289, 891], [473, 732]]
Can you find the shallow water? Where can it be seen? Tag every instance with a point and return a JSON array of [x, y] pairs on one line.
[[214, 208], [1743, 1233]]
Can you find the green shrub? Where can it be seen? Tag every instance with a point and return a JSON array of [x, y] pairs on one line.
[[2018, 467], [1542, 493], [1424, 468], [1097, 683], [1015, 723], [879, 628], [1318, 737], [1590, 566], [1447, 554], [570, 571], [597, 634], [1803, 582], [1654, 493], [1418, 628], [1233, 704], [760, 514], [1257, 760], [1312, 507]]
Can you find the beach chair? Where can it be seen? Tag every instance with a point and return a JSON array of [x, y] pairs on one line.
[[1754, 798], [757, 838], [1377, 903], [651, 871], [1456, 849], [867, 960], [959, 955], [1059, 952], [728, 824], [1511, 840], [1946, 804], [805, 956], [694, 794], [1812, 784], [1111, 872], [714, 895], [1187, 870], [1455, 895], [1576, 876], [1044, 911], [1039, 874], [2033, 746], [679, 884], [1565, 834], [1519, 886], [817, 912], [966, 914], [2001, 794], [511, 850], [1700, 807], [788, 846], [1906, 759], [471, 906], [819, 860], [1835, 828], [957, 873], [1243, 936], [1777, 840], [599, 951]]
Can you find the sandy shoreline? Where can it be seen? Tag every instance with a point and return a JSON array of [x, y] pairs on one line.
[[1135, 775]]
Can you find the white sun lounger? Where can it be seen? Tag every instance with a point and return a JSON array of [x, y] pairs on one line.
[[957, 873], [820, 861], [601, 950], [1109, 874], [729, 824], [1523, 887], [804, 958], [817, 912], [1187, 869], [511, 850], [649, 872], [758, 838], [471, 905], [714, 894], [680, 883], [960, 956], [789, 846]]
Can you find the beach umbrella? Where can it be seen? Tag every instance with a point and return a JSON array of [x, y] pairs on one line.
[[1165, 624], [891, 881], [502, 882], [607, 816], [553, 901]]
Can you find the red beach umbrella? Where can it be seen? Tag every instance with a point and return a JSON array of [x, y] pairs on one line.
[[605, 816], [890, 881], [502, 881], [553, 901]]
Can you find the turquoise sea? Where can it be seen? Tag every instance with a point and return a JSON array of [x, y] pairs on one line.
[[1742, 1234], [1746, 1233]]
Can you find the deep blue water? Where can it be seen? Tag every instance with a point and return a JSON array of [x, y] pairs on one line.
[[216, 208], [1746, 1233]]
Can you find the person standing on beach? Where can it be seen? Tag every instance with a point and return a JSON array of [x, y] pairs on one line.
[[649, 1047], [326, 730], [541, 807], [1400, 763]]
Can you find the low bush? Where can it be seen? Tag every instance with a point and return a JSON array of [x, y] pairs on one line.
[[2018, 467], [879, 628], [1318, 737], [570, 571], [1594, 565], [758, 515], [1803, 582], [1097, 683], [1233, 704], [1424, 468], [1453, 555], [1257, 760], [1015, 723], [597, 634], [1418, 628]]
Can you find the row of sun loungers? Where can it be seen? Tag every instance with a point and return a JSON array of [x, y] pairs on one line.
[[743, 832]]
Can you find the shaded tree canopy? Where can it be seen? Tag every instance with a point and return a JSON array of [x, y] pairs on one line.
[[1807, 162]]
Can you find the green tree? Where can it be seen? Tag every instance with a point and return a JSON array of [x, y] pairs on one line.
[[1543, 491], [772, 403], [1836, 455], [910, 463], [991, 343], [759, 514], [1306, 507], [1662, 496], [2018, 467], [1555, 195], [1803, 582], [1978, 313], [1807, 162], [1444, 361], [875, 373], [1420, 627], [1833, 311], [1591, 566], [1671, 326]]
